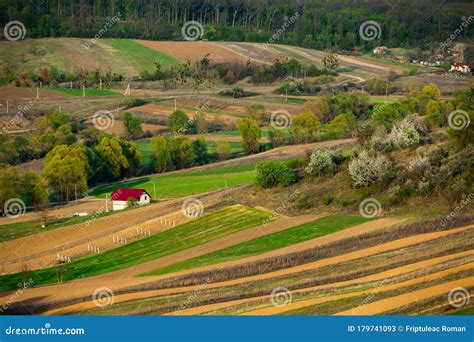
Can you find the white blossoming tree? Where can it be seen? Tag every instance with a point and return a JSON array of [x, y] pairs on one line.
[[366, 169]]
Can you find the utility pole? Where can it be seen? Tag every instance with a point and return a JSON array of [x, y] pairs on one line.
[[106, 203], [154, 189], [83, 91], [75, 187]]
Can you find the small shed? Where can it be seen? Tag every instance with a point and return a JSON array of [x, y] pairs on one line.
[[121, 196]]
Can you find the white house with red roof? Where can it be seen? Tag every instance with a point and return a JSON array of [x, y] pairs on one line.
[[121, 196]]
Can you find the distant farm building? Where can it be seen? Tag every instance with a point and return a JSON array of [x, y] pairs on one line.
[[460, 67], [121, 196], [381, 50]]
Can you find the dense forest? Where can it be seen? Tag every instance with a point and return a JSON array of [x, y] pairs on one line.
[[320, 24]]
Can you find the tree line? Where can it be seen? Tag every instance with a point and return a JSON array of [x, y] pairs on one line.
[[320, 24]]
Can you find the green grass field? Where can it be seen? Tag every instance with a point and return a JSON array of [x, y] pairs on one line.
[[140, 56], [184, 184], [287, 237], [88, 91], [145, 149], [204, 229]]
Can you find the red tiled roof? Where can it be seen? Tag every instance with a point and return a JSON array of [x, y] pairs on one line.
[[124, 194]]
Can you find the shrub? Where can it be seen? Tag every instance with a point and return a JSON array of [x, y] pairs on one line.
[[403, 137], [366, 169], [303, 203], [271, 174], [327, 199], [320, 163]]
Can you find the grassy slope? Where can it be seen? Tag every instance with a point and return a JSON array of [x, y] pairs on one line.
[[31, 54], [140, 56], [204, 229], [184, 184], [287, 237]]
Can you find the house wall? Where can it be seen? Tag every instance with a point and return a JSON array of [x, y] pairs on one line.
[[119, 205]]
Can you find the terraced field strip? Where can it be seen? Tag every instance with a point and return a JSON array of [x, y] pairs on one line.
[[178, 184], [139, 55], [319, 241], [392, 245], [373, 277], [266, 243], [104, 242], [410, 297], [204, 229], [195, 51], [427, 292], [274, 226]]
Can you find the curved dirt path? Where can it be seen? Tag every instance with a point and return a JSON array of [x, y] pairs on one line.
[[423, 293], [370, 278]]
